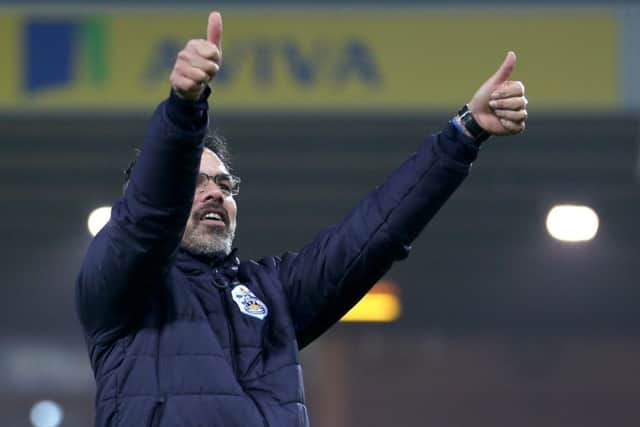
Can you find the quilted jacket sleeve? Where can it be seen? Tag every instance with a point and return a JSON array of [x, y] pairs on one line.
[[328, 276], [133, 251]]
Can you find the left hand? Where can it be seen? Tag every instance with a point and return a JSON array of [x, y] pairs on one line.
[[499, 106]]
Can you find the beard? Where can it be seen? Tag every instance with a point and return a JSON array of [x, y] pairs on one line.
[[200, 241]]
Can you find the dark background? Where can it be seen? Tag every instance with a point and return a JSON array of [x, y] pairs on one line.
[[484, 264], [501, 323]]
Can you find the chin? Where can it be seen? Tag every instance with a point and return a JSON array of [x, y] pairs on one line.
[[208, 245]]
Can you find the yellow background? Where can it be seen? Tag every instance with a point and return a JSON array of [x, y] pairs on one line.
[[426, 59]]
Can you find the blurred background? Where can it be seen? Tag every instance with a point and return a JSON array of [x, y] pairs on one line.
[[506, 313]]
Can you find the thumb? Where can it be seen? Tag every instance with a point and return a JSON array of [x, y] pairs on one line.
[[505, 69], [214, 29]]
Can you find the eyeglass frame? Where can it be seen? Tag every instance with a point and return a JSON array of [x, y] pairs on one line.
[[234, 181]]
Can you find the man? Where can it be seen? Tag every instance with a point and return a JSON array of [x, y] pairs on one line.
[[179, 331]]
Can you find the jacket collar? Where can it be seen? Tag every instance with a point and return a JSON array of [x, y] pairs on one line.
[[190, 262]]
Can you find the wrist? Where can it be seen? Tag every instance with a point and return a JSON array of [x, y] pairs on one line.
[[460, 126], [189, 115], [466, 123]]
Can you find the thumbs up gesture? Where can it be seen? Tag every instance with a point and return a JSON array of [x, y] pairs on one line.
[[199, 62], [499, 106]]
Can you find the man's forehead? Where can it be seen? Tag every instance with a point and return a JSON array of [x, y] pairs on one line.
[[211, 163]]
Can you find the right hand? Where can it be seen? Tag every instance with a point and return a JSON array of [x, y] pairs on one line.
[[199, 62]]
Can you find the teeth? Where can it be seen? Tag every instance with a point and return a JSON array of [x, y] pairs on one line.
[[213, 216]]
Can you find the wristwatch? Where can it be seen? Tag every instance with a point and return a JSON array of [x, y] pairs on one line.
[[466, 119]]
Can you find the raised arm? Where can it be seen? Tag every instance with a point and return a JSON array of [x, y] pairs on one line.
[[129, 257], [327, 277]]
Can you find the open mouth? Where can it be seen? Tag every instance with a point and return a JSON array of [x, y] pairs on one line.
[[213, 218]]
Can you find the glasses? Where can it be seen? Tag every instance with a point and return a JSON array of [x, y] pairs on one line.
[[229, 185]]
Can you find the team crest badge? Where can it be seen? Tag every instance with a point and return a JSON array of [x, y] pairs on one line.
[[248, 302]]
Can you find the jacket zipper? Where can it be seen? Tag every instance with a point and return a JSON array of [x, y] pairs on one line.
[[232, 346], [232, 335], [158, 408]]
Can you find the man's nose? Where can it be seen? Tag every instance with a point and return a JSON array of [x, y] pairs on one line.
[[212, 191]]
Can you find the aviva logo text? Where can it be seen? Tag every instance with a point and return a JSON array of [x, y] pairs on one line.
[[63, 52]]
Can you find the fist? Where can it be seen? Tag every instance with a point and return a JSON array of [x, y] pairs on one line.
[[199, 62], [499, 106]]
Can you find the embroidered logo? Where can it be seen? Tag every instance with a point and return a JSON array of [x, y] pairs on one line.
[[248, 302]]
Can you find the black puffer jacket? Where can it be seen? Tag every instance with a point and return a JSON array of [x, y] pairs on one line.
[[184, 341]]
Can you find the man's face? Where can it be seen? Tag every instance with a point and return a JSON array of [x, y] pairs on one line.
[[212, 222]]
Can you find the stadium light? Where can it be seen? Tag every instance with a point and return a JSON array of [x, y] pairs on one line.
[[572, 223], [46, 414], [97, 219], [380, 304]]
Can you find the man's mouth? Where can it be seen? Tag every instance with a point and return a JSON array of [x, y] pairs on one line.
[[213, 218]]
